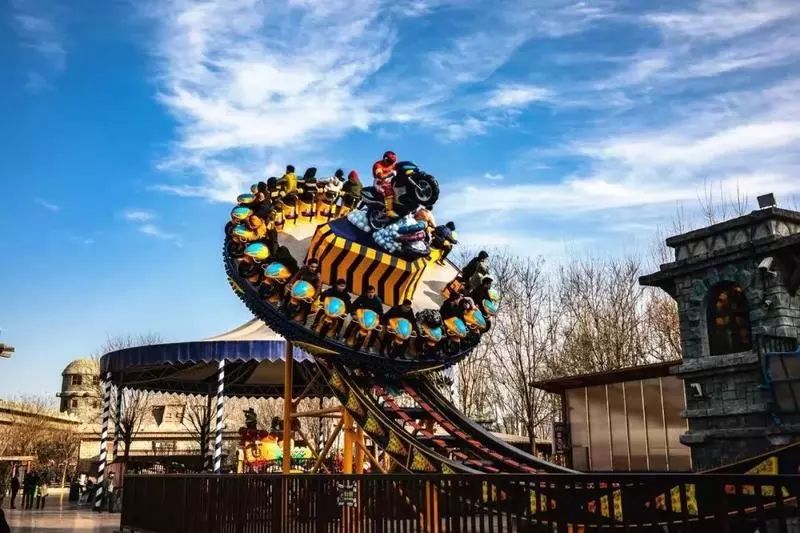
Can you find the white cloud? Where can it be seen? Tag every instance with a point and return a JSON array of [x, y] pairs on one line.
[[493, 177], [145, 222], [37, 31], [514, 96], [255, 82], [155, 231], [138, 215], [749, 144], [47, 205]]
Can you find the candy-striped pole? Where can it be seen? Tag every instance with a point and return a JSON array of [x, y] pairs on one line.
[[220, 417], [101, 469]]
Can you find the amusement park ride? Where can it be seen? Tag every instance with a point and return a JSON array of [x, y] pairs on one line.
[[379, 361]]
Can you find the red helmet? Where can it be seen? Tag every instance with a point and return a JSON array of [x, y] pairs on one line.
[[390, 156]]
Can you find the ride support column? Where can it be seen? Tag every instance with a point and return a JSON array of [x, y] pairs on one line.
[[220, 416], [101, 469], [347, 428]]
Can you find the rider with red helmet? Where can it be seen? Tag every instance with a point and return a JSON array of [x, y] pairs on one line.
[[383, 171]]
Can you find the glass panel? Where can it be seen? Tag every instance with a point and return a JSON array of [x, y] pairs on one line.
[[655, 425], [633, 398], [674, 403], [619, 437], [728, 320], [579, 434], [598, 429]]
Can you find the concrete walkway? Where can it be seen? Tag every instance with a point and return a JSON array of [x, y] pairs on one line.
[[59, 516]]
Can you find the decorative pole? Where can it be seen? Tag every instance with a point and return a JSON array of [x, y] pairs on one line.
[[220, 417], [98, 499], [118, 422], [288, 390]]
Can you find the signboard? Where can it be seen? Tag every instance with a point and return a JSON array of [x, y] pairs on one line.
[[347, 493], [560, 437]]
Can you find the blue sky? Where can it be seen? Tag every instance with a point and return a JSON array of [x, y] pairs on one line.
[[553, 126]]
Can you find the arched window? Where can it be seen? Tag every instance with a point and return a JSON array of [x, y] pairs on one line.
[[728, 320]]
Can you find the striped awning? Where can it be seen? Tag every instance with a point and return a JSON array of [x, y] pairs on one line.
[[254, 356]]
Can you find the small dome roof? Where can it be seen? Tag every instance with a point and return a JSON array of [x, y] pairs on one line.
[[83, 366]]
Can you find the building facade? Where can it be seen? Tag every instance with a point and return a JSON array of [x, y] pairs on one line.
[[627, 420], [735, 284]]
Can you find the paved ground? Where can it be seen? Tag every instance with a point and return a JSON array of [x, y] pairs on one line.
[[58, 516]]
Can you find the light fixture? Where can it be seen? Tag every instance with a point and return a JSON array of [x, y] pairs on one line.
[[766, 200]]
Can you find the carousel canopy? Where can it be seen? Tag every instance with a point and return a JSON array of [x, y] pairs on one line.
[[254, 356]]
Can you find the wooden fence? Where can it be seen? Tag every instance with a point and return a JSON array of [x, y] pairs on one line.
[[460, 503]]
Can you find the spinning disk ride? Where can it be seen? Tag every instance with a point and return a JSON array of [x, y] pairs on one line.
[[382, 371]]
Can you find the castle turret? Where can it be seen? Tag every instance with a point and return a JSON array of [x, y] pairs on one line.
[[736, 285], [80, 389]]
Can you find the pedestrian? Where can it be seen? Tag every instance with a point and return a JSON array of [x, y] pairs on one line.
[[109, 492], [14, 491], [29, 485], [4, 528], [42, 491]]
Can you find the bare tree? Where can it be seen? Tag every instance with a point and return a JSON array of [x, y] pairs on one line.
[[521, 345], [130, 416], [197, 418], [602, 317]]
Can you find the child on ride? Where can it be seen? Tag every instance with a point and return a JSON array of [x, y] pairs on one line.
[[383, 171]]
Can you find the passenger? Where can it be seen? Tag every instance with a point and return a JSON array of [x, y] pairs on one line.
[[444, 239], [368, 300], [283, 256], [331, 189], [335, 291], [250, 270], [451, 306], [404, 310], [310, 273], [481, 293], [476, 269], [309, 186], [288, 182], [257, 226]]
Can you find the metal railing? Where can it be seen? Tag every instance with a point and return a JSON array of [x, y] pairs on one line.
[[460, 503]]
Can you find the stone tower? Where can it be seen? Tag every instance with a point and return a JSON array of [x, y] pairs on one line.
[[80, 389], [736, 286]]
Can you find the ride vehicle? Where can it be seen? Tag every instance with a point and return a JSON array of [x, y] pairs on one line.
[[431, 333], [456, 331], [412, 188], [301, 298], [397, 334], [364, 326], [333, 312], [275, 277]]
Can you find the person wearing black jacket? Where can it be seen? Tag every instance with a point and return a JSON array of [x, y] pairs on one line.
[[369, 300], [443, 239], [452, 306], [403, 310], [335, 291], [14, 491]]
